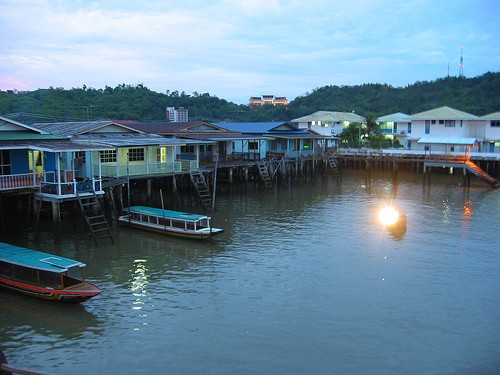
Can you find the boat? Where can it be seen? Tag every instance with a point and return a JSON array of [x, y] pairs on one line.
[[43, 275], [174, 223]]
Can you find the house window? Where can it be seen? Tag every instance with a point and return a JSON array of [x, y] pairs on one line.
[[495, 123], [136, 154], [253, 145], [308, 144], [5, 167], [433, 121], [206, 148], [283, 143], [441, 122], [108, 156], [409, 128], [427, 127], [449, 124], [80, 155], [187, 149]]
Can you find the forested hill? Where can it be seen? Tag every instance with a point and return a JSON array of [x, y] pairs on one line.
[[479, 96]]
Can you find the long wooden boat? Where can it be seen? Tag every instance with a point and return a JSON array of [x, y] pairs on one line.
[[44, 275], [174, 223]]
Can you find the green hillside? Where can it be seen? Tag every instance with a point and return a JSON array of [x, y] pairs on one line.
[[479, 95]]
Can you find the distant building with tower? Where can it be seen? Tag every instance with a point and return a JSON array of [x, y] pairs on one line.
[[257, 101], [177, 115]]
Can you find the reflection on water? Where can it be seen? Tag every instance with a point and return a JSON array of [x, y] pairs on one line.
[[44, 318], [139, 283], [303, 280]]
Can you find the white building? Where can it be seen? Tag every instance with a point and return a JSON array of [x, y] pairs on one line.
[[491, 141], [396, 126], [328, 123], [177, 115], [445, 129]]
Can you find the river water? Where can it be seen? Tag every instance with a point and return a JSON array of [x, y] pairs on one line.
[[304, 280]]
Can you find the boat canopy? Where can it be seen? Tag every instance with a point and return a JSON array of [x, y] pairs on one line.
[[175, 215], [21, 256]]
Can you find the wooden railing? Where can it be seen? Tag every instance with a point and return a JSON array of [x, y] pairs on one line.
[[19, 181], [146, 169], [47, 183]]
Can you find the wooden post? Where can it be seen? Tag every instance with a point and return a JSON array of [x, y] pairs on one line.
[[174, 184], [149, 183], [56, 212]]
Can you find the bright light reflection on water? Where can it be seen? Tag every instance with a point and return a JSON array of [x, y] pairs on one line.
[[303, 281]]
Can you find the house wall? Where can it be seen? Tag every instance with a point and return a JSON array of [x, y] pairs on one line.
[[242, 146], [19, 160], [50, 161], [438, 129], [492, 133]]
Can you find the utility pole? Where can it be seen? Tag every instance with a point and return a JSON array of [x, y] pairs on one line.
[[88, 108]]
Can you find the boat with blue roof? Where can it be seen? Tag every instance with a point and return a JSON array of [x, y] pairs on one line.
[[173, 223], [43, 275]]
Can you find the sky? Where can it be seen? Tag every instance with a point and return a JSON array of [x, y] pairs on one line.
[[237, 49]]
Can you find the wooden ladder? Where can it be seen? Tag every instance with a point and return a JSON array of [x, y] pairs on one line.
[[201, 186], [92, 210], [264, 174], [332, 162]]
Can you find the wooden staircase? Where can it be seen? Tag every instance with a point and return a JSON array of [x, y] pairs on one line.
[[332, 162], [476, 170], [201, 186], [262, 165], [92, 210]]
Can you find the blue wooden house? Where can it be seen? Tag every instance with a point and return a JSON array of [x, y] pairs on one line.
[[276, 139]]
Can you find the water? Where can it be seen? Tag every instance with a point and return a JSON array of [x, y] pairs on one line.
[[303, 281]]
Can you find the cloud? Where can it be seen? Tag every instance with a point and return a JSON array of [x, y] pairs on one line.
[[237, 49]]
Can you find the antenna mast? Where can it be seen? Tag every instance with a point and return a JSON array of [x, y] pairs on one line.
[[461, 66]]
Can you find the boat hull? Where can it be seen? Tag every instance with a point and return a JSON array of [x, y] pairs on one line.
[[175, 232], [75, 294]]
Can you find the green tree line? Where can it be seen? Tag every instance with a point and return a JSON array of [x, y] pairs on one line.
[[479, 96]]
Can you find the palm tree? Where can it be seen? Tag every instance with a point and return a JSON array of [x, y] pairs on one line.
[[352, 134]]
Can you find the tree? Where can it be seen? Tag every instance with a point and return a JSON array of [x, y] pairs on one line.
[[351, 135]]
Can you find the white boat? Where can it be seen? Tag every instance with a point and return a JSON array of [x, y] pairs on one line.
[[174, 223]]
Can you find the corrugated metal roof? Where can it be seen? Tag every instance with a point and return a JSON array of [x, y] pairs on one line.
[[54, 146], [222, 137], [8, 121], [73, 128], [395, 117], [167, 127], [26, 135], [137, 142], [329, 116], [448, 141], [251, 127], [491, 116], [443, 113]]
